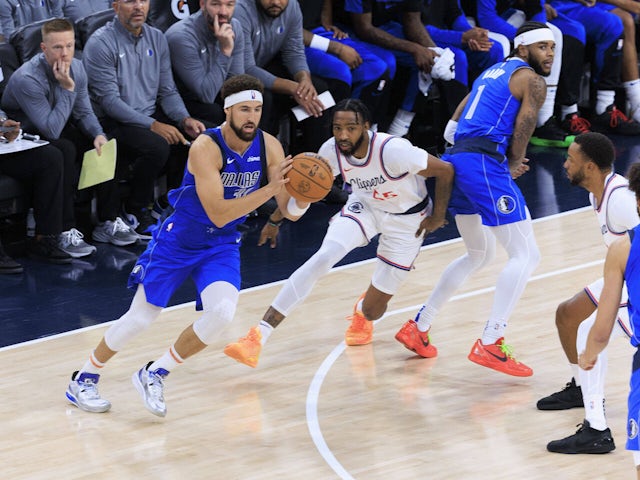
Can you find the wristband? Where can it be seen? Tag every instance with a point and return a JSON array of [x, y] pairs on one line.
[[294, 209], [319, 43], [271, 223], [450, 131]]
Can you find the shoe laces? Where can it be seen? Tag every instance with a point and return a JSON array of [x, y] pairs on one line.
[[579, 124], [252, 336], [119, 226], [617, 115], [89, 389], [72, 237], [155, 385], [507, 350]]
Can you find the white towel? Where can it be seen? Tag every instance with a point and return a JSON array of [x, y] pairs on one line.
[[444, 69]]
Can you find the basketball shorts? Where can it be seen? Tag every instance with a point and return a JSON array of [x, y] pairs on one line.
[[622, 325], [181, 249], [483, 185], [358, 223]]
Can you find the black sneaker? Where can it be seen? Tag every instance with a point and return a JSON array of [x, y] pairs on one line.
[[585, 440], [8, 264], [574, 124], [569, 397], [551, 135], [615, 122], [47, 248]]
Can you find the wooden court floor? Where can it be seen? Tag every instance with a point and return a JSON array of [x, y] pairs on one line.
[[315, 409]]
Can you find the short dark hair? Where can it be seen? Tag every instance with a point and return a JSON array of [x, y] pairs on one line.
[[239, 83], [56, 25], [599, 148], [356, 106], [633, 175]]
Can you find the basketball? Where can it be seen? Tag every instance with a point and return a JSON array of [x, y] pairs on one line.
[[310, 179]]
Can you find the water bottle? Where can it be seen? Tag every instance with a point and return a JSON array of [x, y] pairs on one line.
[[31, 224]]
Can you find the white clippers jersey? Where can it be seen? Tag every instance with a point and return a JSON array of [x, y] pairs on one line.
[[386, 179], [617, 212]]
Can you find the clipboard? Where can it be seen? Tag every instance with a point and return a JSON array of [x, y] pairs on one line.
[[98, 168]]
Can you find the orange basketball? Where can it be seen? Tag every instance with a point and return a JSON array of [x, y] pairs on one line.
[[310, 179]]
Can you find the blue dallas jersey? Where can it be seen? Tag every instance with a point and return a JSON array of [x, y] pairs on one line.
[[491, 110], [240, 174], [632, 278]]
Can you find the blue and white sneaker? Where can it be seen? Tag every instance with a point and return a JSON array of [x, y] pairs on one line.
[[83, 393], [150, 386]]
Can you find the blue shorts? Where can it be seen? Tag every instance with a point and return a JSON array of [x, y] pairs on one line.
[[181, 248], [483, 185], [633, 405]]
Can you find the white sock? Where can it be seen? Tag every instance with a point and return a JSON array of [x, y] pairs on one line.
[[168, 361], [594, 411], [632, 90], [401, 123], [425, 316], [493, 330], [604, 99], [575, 371], [265, 330], [546, 111], [569, 110], [92, 365]]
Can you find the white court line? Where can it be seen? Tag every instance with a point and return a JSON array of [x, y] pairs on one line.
[[313, 424]]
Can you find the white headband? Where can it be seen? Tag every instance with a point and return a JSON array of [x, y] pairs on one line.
[[243, 96], [534, 36]]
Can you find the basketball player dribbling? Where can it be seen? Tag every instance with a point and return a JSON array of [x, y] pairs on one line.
[[389, 197], [231, 171]]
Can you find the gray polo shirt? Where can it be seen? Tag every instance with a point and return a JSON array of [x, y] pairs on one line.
[[197, 62], [76, 9], [35, 98], [271, 36], [15, 13], [129, 74]]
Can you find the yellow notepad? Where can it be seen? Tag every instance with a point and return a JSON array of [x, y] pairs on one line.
[[98, 168]]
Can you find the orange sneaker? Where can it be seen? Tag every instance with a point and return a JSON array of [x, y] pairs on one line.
[[247, 349], [498, 356], [360, 332], [415, 340]]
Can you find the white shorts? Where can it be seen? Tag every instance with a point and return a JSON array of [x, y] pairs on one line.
[[357, 224], [594, 290]]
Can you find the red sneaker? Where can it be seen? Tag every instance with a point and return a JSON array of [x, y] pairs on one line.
[[415, 340], [498, 356], [247, 349], [360, 332]]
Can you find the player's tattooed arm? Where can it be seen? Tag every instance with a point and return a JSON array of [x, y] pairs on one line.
[[534, 91]]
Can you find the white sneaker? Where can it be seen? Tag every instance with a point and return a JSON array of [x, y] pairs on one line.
[[83, 393], [150, 386], [116, 232], [72, 243]]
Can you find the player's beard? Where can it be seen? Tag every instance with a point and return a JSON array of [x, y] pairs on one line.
[[241, 134], [354, 147], [537, 67], [577, 178]]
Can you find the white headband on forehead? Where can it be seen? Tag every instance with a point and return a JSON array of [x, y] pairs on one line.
[[243, 96], [534, 36]]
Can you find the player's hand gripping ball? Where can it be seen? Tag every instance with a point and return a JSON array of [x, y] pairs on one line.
[[310, 178]]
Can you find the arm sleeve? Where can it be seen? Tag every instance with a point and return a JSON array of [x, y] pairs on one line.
[[292, 51], [439, 35], [488, 18], [203, 82], [168, 96], [82, 112], [49, 120], [7, 25], [100, 62]]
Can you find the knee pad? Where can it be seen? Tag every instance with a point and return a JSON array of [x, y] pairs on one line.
[[136, 320], [213, 321]]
